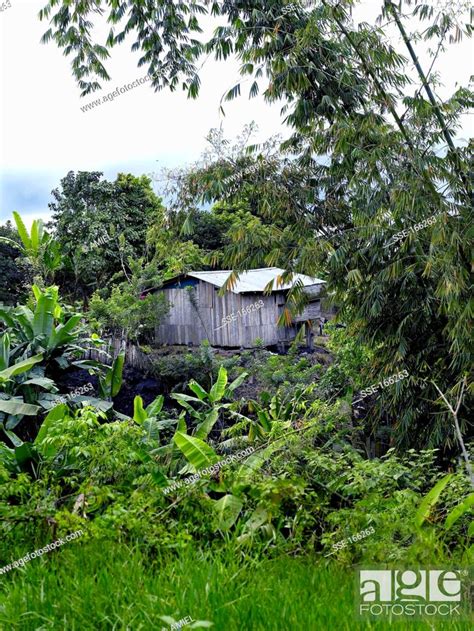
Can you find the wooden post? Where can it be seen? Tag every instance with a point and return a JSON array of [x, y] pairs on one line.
[[310, 336]]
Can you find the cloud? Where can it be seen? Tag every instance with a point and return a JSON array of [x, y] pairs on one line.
[[45, 133]]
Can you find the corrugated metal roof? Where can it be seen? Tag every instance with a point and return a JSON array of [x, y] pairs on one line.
[[254, 279]]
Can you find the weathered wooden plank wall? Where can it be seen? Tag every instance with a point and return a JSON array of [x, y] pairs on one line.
[[133, 355], [311, 312], [192, 320]]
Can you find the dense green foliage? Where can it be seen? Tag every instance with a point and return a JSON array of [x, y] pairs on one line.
[[305, 487], [38, 247], [12, 270], [100, 226], [349, 97], [125, 310], [231, 464], [375, 280], [40, 341]]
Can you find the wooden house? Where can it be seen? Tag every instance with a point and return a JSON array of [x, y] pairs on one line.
[[237, 318]]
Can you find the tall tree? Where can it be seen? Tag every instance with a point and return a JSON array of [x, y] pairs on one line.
[[381, 160], [13, 272], [101, 225]]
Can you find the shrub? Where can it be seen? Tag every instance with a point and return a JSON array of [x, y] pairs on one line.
[[178, 368]]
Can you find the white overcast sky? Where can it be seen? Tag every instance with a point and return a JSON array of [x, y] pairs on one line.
[[44, 133]]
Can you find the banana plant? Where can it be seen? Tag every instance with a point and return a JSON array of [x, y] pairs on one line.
[[196, 452], [424, 511], [111, 383], [39, 247], [149, 417], [8, 370], [209, 404], [466, 505], [271, 412], [13, 408], [23, 457], [227, 509], [204, 409], [36, 335], [44, 328], [275, 411]]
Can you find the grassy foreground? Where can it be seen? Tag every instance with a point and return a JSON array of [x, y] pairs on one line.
[[110, 586]]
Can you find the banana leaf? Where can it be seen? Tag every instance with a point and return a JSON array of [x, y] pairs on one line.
[[218, 389], [459, 510], [4, 351], [25, 453], [198, 390], [235, 384], [227, 510], [110, 386], [17, 407], [155, 406], [11, 435], [42, 382], [20, 367], [139, 414], [22, 231], [423, 512], [56, 414], [63, 332], [255, 461], [6, 318], [43, 319], [203, 429], [196, 451]]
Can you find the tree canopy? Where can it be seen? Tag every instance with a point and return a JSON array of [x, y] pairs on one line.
[[371, 155], [100, 225], [13, 270]]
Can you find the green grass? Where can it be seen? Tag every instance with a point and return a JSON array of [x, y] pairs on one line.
[[93, 585]]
